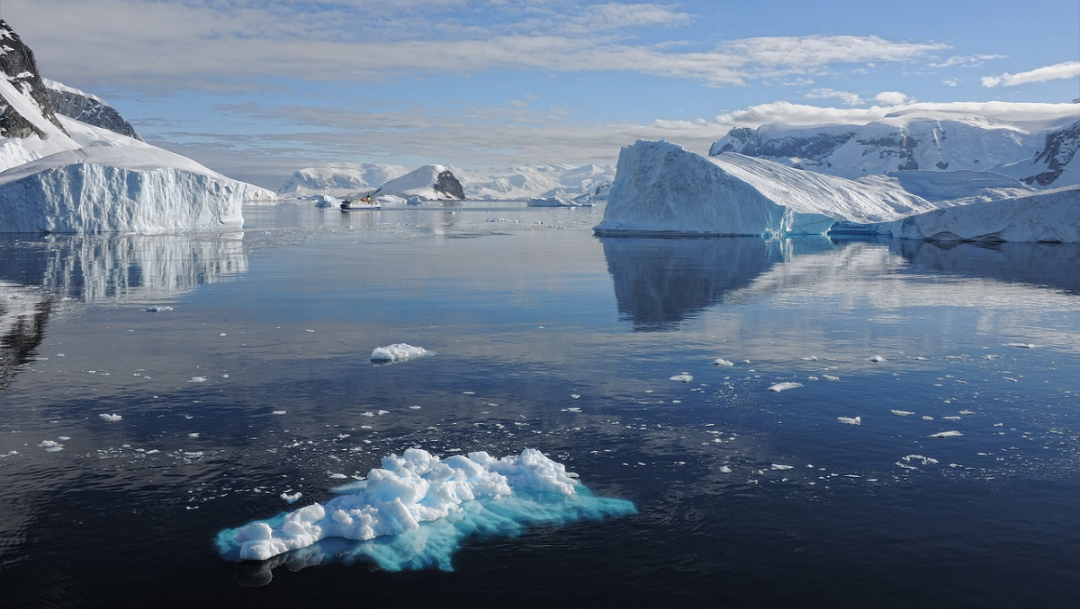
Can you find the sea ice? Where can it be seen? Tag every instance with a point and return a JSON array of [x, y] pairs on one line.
[[110, 417], [777, 466], [723, 362], [946, 434], [51, 446], [784, 386], [684, 377], [850, 420], [414, 511], [397, 352]]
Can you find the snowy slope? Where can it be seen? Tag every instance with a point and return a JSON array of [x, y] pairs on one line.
[[428, 182], [662, 188], [928, 137], [523, 182], [87, 108], [1056, 165], [61, 175], [1049, 216], [340, 180]]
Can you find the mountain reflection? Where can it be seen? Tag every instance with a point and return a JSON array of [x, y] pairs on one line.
[[661, 282], [124, 269]]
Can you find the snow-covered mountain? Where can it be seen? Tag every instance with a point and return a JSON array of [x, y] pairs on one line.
[[1056, 165], [87, 108], [663, 188], [428, 182], [922, 137], [62, 175], [340, 180], [512, 183]]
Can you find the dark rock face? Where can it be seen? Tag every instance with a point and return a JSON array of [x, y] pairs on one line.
[[449, 185], [1059, 151], [17, 62], [90, 111]]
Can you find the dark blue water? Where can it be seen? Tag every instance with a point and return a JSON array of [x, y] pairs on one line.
[[545, 337]]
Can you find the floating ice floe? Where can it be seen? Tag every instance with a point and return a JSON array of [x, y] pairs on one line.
[[1021, 345], [946, 434], [156, 309], [784, 386], [51, 446], [850, 420], [413, 512], [197, 379], [397, 352], [877, 359], [684, 377], [110, 417], [293, 498], [723, 362], [778, 467]]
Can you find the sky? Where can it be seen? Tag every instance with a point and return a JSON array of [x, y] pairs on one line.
[[257, 89]]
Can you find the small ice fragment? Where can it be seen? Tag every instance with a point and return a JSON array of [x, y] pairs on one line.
[[1020, 345], [684, 377], [1011, 380], [278, 412], [877, 359], [902, 413], [414, 408], [927, 418], [397, 352], [951, 418], [777, 466], [723, 362], [784, 387], [51, 446], [724, 469], [110, 417], [574, 409], [829, 377], [850, 420], [967, 412], [946, 434], [811, 358], [193, 435], [338, 476], [293, 498], [575, 396], [197, 379]]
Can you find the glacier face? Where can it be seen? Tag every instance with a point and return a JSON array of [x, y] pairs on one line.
[[662, 188], [89, 198]]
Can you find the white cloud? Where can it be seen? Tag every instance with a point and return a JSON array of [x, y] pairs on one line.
[[951, 82], [966, 61], [892, 98], [847, 98], [1060, 71]]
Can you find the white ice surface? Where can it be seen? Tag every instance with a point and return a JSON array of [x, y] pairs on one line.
[[397, 352]]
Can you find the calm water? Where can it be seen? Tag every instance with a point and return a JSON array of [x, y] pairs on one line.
[[546, 337]]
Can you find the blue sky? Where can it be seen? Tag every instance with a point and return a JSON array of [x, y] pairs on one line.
[[259, 88]]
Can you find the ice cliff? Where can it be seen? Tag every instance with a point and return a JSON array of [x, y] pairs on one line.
[[62, 175], [661, 188]]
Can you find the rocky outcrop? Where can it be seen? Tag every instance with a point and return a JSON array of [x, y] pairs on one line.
[[86, 108], [19, 71], [1059, 152], [449, 185]]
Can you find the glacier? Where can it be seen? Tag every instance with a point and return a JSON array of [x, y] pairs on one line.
[[661, 188], [416, 509], [60, 175]]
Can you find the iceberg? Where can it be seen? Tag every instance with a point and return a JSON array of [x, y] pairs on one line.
[[1050, 216], [415, 510], [397, 352], [660, 188]]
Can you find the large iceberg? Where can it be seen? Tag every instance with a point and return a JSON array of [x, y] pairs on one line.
[[661, 188], [414, 511], [61, 175], [1052, 216]]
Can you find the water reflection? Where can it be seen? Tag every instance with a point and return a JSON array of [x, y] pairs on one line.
[[661, 282], [1054, 265], [123, 269], [23, 315]]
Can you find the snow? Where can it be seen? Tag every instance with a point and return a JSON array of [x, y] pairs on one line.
[[397, 352], [585, 200], [421, 506], [660, 188], [84, 179], [419, 182], [523, 182], [339, 180]]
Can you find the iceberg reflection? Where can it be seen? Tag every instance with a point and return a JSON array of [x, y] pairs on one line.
[[1052, 265]]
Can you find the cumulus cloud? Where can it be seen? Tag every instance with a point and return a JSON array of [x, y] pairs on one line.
[[1059, 71], [892, 98], [847, 98]]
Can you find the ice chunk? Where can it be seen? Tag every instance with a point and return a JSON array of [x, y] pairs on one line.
[[784, 386], [51, 446], [397, 352], [293, 498], [946, 434], [414, 511], [777, 466], [902, 413], [877, 359], [723, 362], [110, 417], [850, 420], [684, 377]]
